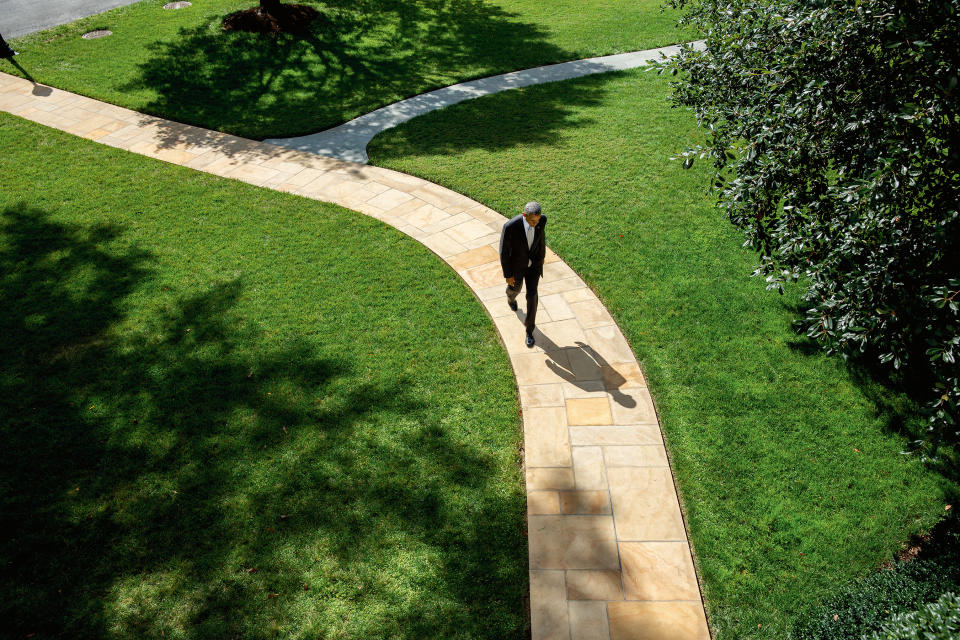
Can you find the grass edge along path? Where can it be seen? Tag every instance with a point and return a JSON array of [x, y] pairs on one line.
[[593, 448], [224, 416], [787, 460], [181, 65]]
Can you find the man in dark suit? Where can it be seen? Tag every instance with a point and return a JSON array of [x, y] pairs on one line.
[[523, 248], [5, 50]]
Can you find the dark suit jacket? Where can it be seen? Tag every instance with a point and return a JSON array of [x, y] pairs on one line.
[[514, 254]]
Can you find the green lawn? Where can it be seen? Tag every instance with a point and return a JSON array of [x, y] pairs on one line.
[[233, 413], [788, 461], [362, 55]]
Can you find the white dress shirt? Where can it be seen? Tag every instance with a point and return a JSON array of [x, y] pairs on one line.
[[529, 230]]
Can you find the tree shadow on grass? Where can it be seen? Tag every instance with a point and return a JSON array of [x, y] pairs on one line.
[[534, 115], [163, 477], [899, 398], [355, 58]]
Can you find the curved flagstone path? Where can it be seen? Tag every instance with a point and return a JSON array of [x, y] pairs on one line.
[[349, 140], [609, 557]]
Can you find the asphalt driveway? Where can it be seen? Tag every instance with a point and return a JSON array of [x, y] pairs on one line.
[[20, 17]]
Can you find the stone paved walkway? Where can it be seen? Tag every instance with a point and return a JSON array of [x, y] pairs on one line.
[[609, 558], [349, 140]]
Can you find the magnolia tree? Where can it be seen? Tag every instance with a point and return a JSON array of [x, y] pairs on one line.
[[834, 128]]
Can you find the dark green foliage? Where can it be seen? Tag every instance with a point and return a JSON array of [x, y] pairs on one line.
[[833, 129], [938, 620], [860, 609]]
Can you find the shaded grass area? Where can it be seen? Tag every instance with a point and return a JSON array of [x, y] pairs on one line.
[[233, 413], [788, 461], [357, 57]]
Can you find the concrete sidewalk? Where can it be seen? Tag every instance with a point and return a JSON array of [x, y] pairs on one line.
[[349, 140]]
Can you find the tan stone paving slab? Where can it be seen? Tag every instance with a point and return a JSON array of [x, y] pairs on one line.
[[86, 125], [222, 165], [645, 504], [541, 395], [543, 502], [127, 132], [615, 435], [488, 215], [281, 177], [389, 198], [204, 160], [491, 240], [342, 192], [559, 309], [658, 571], [144, 147], [638, 410], [548, 606], [397, 180], [591, 313], [486, 275], [174, 156], [588, 411], [475, 258], [96, 134], [492, 295], [547, 478], [588, 621], [547, 288], [609, 342], [651, 455], [425, 216], [564, 333], [443, 245], [557, 271], [657, 621], [13, 100], [305, 176], [594, 585], [585, 363], [546, 443], [572, 542], [539, 368], [447, 223], [369, 209], [585, 502], [624, 374], [514, 335], [49, 107], [469, 230], [589, 471], [585, 389]]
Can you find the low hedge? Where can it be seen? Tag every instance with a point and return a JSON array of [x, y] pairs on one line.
[[862, 608], [938, 620]]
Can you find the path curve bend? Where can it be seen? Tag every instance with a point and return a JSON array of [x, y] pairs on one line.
[[608, 550], [349, 140]]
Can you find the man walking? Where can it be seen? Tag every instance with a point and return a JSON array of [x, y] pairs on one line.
[[523, 248], [5, 50]]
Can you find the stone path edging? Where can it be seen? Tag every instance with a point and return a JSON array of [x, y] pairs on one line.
[[608, 552], [349, 140]]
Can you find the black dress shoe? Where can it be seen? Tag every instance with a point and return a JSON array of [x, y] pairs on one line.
[[529, 339], [512, 304]]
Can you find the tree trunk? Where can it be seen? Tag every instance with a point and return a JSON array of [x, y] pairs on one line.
[[269, 5]]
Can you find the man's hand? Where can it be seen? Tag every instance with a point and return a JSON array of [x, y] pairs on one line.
[[511, 281]]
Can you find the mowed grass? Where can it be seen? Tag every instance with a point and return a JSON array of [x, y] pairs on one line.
[[181, 65], [233, 413], [788, 461]]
